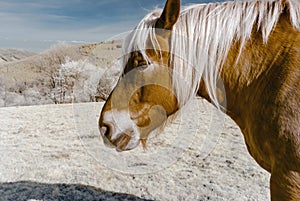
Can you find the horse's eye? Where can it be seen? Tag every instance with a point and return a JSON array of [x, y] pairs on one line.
[[143, 67], [142, 63]]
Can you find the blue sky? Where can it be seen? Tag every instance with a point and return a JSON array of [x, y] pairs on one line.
[[37, 24]]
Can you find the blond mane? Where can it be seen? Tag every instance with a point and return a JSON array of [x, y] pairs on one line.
[[203, 35]]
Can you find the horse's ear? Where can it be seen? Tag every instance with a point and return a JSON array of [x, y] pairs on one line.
[[169, 16]]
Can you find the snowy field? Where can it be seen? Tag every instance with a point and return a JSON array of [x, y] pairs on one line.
[[54, 152]]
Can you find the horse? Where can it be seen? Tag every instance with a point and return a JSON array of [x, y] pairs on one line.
[[242, 56]]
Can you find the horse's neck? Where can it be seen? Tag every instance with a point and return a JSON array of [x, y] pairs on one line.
[[257, 72]]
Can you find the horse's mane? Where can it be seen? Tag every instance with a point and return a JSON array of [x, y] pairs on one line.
[[203, 35]]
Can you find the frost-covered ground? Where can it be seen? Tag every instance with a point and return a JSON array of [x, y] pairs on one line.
[[54, 152]]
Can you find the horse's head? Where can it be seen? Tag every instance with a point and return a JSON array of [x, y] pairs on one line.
[[143, 97]]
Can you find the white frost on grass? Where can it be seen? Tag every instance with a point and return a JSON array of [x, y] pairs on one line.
[[42, 144]]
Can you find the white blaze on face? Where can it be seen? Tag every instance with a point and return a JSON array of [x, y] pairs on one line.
[[121, 124]]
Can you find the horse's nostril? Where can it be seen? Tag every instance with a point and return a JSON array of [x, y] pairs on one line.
[[105, 131]]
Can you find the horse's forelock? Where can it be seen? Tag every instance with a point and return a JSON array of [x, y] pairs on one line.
[[137, 39]]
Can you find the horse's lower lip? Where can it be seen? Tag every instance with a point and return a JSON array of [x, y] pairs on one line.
[[121, 142]]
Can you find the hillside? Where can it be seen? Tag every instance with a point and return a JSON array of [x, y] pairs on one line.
[[34, 80], [9, 55]]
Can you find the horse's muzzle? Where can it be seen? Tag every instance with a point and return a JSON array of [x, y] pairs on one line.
[[119, 142]]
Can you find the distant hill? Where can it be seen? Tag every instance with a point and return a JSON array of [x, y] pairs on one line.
[[62, 74], [8, 55]]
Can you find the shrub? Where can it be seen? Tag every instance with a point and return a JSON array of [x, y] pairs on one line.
[[75, 81]]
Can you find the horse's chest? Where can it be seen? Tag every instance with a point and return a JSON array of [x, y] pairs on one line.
[[259, 148]]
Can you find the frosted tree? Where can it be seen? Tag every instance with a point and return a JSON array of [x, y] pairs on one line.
[[75, 81]]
